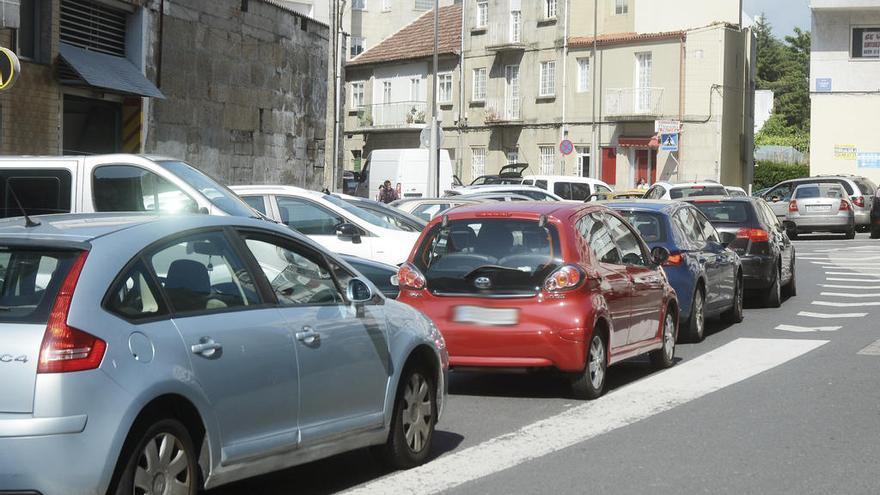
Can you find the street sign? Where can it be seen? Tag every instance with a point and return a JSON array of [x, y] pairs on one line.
[[566, 147], [667, 126], [823, 84], [425, 137], [10, 68], [669, 142]]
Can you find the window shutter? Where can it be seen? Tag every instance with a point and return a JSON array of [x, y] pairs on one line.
[[93, 26]]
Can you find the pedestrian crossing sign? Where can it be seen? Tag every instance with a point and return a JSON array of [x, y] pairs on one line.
[[669, 142]]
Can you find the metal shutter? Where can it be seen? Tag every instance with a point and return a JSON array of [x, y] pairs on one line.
[[93, 26]]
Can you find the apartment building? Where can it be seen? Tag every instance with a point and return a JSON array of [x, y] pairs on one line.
[[845, 96], [368, 22]]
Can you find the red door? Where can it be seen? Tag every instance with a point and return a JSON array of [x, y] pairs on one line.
[[609, 166], [646, 167]]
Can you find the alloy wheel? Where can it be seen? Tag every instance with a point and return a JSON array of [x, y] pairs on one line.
[[597, 363], [417, 412], [699, 315], [669, 337], [163, 468]]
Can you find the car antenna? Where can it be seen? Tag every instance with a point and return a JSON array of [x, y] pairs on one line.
[[28, 221]]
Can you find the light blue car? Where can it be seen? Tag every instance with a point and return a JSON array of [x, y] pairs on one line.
[[161, 355]]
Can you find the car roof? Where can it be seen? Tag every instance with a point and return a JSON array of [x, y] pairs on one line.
[[658, 205], [692, 184], [269, 189], [560, 178], [528, 208], [719, 199]]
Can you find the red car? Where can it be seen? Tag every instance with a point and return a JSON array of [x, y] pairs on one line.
[[570, 287]]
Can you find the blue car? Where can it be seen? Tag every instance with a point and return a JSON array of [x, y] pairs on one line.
[[706, 275]]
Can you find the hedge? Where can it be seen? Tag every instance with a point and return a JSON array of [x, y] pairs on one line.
[[768, 174]]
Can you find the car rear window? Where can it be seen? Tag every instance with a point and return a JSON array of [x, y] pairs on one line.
[[722, 212], [866, 186], [691, 191], [514, 255], [819, 191], [651, 226], [30, 280]]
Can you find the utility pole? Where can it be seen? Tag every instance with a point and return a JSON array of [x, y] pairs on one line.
[[434, 168], [595, 155]]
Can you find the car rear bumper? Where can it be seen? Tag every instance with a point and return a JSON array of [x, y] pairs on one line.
[[757, 271], [829, 223]]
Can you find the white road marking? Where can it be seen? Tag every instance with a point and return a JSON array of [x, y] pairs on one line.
[[853, 287], [845, 305], [827, 316], [832, 279], [797, 329], [873, 349], [847, 294], [853, 272], [715, 370], [847, 264]]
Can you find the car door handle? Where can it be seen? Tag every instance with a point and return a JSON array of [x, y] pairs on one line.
[[308, 336], [207, 348]]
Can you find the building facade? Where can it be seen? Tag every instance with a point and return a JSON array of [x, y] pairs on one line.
[[236, 88], [844, 68]]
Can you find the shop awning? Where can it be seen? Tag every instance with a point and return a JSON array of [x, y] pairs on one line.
[[100, 70], [651, 142]]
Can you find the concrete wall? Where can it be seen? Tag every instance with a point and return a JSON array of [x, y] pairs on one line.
[[246, 92], [830, 56], [831, 129], [652, 16], [609, 22]]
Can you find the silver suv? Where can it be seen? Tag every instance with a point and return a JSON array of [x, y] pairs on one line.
[[143, 354], [860, 190]]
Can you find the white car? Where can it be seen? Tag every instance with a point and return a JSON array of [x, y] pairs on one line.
[[665, 190], [569, 187], [736, 192], [536, 193], [331, 222]]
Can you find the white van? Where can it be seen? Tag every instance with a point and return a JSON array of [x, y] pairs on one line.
[[569, 187], [407, 169], [111, 183]]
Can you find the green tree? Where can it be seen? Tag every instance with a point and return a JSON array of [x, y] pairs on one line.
[[770, 54]]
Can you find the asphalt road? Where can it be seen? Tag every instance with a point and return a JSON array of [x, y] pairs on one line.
[[795, 411]]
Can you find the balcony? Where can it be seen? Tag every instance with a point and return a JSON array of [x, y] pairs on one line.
[[503, 111], [397, 115], [633, 103], [506, 36]]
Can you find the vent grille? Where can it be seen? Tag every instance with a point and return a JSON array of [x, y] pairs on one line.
[[93, 26], [423, 5]]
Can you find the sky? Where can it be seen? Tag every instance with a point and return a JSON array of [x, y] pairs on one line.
[[784, 15]]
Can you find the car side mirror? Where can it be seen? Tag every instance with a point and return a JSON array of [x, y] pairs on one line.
[[349, 231], [358, 291], [659, 255], [727, 238]]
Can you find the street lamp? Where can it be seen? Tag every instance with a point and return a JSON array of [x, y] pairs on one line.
[[434, 161]]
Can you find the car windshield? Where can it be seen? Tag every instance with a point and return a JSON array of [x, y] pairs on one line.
[[691, 191], [650, 225], [720, 212], [360, 213], [399, 219], [216, 193], [29, 281], [513, 256]]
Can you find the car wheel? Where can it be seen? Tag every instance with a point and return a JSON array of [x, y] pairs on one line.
[[875, 232], [412, 426], [163, 462], [591, 383], [773, 296], [735, 313], [791, 287], [696, 328], [665, 356]]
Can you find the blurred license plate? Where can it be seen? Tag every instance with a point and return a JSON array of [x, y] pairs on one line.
[[818, 208], [486, 316]]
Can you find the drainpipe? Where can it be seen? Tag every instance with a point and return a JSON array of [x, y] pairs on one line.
[[462, 116], [564, 129], [161, 44], [594, 65], [682, 74]]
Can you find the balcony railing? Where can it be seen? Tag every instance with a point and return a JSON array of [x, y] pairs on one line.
[[506, 36], [633, 102], [393, 115], [503, 110]]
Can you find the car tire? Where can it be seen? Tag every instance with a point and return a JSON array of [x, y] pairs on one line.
[[664, 357], [793, 234], [875, 232], [791, 286], [696, 325], [773, 296], [851, 233], [735, 313], [147, 470], [412, 426], [590, 384]]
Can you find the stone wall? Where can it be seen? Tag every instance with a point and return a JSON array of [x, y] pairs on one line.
[[246, 91]]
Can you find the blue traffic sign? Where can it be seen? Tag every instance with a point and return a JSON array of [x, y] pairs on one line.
[[669, 142], [566, 147]]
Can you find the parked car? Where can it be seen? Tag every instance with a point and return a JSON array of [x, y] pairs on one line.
[[112, 183], [428, 208], [333, 223], [496, 196], [180, 353], [407, 169], [875, 216], [629, 194], [860, 191], [513, 285], [706, 275], [570, 187], [736, 192], [398, 218], [665, 190], [382, 275], [536, 193], [509, 174], [759, 238], [822, 207]]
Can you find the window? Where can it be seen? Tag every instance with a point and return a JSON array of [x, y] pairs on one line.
[[31, 279], [445, 87], [201, 272], [627, 242], [358, 45], [358, 4], [541, 183], [415, 89], [423, 5], [562, 189], [643, 81], [478, 162], [429, 210], [93, 26], [357, 95], [550, 9], [135, 296], [687, 222], [512, 157], [583, 161], [865, 41], [130, 188], [386, 5], [548, 78], [479, 85], [40, 191], [583, 75], [219, 195], [596, 234], [386, 92], [297, 276], [621, 7], [255, 202], [515, 26], [482, 15], [306, 217], [513, 101], [650, 226], [580, 191], [27, 36], [548, 156]]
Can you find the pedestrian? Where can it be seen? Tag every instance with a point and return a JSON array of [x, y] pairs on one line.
[[387, 194], [642, 184]]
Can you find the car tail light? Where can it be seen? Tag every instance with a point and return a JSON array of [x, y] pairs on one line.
[[858, 201], [565, 278], [409, 277], [674, 259], [754, 235], [844, 205], [66, 349], [792, 206]]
